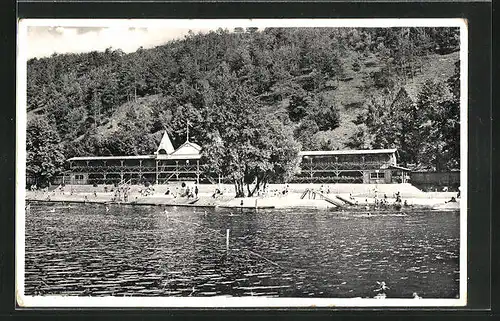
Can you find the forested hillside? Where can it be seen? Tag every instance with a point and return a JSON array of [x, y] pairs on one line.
[[266, 93]]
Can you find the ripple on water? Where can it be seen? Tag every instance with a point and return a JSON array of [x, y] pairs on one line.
[[138, 252]]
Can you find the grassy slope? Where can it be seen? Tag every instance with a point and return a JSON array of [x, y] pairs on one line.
[[143, 105], [350, 96]]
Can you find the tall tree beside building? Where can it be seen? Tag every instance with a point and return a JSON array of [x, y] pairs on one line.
[[44, 158], [452, 121], [405, 128], [244, 144], [439, 121]]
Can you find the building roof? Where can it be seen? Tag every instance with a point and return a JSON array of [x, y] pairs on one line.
[[136, 157], [188, 147], [400, 168], [89, 158], [178, 157], [165, 144], [347, 152], [188, 150]]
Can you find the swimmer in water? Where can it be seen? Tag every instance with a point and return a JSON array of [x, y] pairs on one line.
[[193, 290], [415, 296], [382, 288], [107, 208], [53, 210]]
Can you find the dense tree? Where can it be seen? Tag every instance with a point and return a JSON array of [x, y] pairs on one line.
[[244, 144], [451, 121], [305, 133], [360, 139], [439, 121], [44, 155], [426, 133], [325, 115]]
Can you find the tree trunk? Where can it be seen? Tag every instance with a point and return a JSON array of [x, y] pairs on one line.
[[255, 188], [238, 184]]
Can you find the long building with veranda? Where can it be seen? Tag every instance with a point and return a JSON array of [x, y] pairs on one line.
[[167, 164]]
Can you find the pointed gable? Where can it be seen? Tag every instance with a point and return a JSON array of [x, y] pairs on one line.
[[165, 147], [187, 149]]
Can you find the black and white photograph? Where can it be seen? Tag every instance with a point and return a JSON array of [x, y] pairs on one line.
[[241, 163]]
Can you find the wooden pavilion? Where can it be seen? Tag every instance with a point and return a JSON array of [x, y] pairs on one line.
[[167, 164], [374, 166]]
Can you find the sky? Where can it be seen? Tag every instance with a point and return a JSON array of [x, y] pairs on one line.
[[43, 37], [43, 41]]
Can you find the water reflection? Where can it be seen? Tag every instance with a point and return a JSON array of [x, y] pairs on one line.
[[144, 251]]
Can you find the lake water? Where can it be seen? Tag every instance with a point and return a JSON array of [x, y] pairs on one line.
[[143, 251]]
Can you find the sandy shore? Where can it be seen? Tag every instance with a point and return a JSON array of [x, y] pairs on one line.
[[364, 197]]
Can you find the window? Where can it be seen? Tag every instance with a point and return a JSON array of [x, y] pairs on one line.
[[79, 176], [377, 175]]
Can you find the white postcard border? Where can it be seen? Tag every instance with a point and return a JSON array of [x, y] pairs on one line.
[[227, 302]]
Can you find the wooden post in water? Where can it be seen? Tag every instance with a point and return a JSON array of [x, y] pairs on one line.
[[227, 239]]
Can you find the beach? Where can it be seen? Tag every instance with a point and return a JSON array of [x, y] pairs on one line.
[[276, 196]]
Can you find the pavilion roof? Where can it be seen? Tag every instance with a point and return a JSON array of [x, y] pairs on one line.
[[188, 144], [136, 157], [347, 152], [90, 158], [165, 144], [188, 150], [400, 168]]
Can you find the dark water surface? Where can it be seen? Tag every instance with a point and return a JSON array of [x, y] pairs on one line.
[[143, 251]]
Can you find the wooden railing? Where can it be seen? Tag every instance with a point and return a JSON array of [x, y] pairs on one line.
[[136, 169], [326, 179], [332, 166]]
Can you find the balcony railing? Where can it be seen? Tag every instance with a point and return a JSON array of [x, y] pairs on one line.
[[137, 169], [326, 179], [307, 166]]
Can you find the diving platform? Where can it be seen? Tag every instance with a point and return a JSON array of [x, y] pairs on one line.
[[311, 194]]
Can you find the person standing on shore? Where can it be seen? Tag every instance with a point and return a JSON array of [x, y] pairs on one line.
[[196, 191]]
